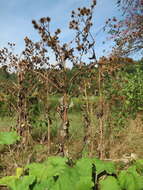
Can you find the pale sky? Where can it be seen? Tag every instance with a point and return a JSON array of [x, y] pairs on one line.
[[16, 17]]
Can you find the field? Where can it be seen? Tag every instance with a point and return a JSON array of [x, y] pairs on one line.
[[125, 150], [95, 119], [71, 111], [123, 142], [91, 130]]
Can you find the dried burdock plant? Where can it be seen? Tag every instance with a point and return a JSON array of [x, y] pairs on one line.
[[76, 52]]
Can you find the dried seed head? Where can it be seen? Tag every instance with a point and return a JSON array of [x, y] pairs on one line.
[[33, 22], [58, 31], [73, 12], [114, 19], [42, 20], [48, 19], [36, 26], [81, 12], [94, 2]]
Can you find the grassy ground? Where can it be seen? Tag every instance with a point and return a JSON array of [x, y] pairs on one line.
[[11, 156], [127, 141], [6, 123]]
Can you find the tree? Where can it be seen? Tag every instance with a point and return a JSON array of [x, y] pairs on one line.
[[127, 32]]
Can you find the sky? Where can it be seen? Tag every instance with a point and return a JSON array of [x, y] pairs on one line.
[[16, 17]]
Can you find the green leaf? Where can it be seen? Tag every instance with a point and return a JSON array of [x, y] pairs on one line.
[[101, 166], [52, 167], [130, 179], [15, 183], [56, 161], [139, 165], [39, 170], [9, 181], [84, 183], [109, 183], [7, 138], [19, 172], [24, 182], [84, 167], [64, 182], [47, 184]]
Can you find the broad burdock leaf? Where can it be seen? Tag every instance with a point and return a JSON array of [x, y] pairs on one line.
[[130, 179], [65, 181], [109, 183], [84, 183], [56, 174], [54, 166], [84, 166], [84, 170], [8, 138], [19, 172], [9, 181], [15, 183], [139, 166], [24, 182], [101, 166], [47, 184]]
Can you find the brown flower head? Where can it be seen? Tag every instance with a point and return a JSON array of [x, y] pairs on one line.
[[42, 20], [48, 19]]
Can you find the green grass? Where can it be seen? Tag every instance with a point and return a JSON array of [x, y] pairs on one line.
[[6, 123], [76, 125]]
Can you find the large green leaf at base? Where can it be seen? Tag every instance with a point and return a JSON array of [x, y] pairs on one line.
[[7, 138], [109, 183], [130, 179], [101, 166], [15, 183]]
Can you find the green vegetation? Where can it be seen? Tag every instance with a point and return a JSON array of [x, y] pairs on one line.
[[84, 174], [60, 126], [7, 138]]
